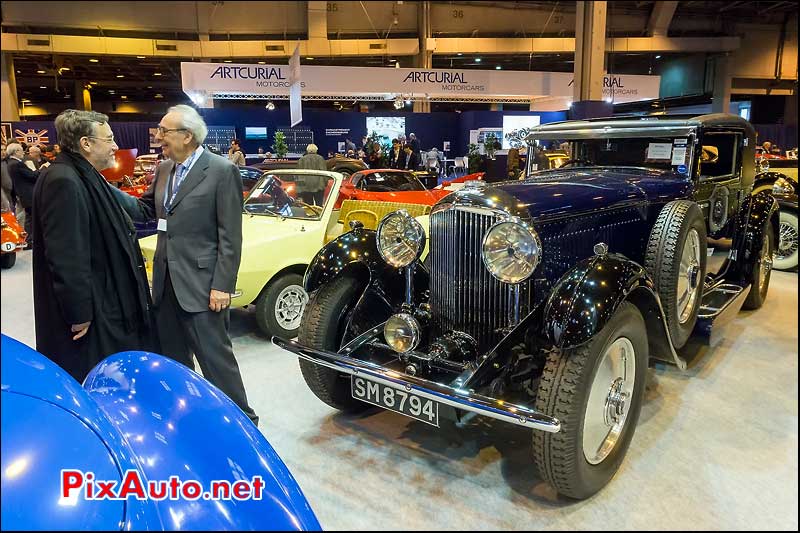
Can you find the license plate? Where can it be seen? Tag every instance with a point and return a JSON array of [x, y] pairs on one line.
[[397, 400]]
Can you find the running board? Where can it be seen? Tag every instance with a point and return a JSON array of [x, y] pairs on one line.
[[718, 307]]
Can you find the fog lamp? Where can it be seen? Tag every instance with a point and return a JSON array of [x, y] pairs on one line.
[[402, 332]]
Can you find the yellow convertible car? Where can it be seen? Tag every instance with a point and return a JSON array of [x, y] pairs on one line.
[[286, 219]]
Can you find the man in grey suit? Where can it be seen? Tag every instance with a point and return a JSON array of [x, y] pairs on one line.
[[196, 197]]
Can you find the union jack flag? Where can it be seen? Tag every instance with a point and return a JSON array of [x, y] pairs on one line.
[[32, 137]]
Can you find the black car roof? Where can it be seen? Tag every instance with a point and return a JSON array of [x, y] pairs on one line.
[[632, 126]]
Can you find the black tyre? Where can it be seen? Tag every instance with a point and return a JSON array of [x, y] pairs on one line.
[[596, 392], [676, 259], [8, 260], [279, 308], [322, 327], [762, 271]]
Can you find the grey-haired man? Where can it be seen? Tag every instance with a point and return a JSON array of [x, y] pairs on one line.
[[196, 197]]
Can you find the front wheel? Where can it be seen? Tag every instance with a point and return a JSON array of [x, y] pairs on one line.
[[8, 260], [323, 327], [786, 253], [279, 309], [596, 391]]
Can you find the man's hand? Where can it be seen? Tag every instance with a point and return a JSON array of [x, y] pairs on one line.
[[218, 300], [80, 329]]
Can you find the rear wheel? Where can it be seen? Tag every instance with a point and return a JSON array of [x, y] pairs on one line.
[[676, 259], [596, 393], [323, 328], [762, 271], [8, 260]]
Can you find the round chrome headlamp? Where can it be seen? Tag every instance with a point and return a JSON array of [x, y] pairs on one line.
[[401, 239], [511, 251], [402, 332]]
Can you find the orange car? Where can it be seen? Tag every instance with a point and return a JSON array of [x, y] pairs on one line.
[[13, 239], [391, 185]]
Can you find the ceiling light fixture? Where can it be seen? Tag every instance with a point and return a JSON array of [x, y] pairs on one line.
[[93, 82], [156, 74], [64, 69], [120, 75], [498, 67], [658, 56], [227, 61], [140, 57], [124, 97], [159, 96], [42, 87], [309, 59], [262, 62], [270, 106], [94, 60], [478, 60], [40, 72]]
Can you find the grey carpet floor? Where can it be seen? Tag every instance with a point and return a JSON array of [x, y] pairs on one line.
[[716, 446]]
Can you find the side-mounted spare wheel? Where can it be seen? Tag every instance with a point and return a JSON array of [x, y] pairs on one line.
[[676, 259], [323, 327], [596, 391]]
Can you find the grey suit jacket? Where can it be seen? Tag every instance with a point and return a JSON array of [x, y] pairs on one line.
[[202, 246]]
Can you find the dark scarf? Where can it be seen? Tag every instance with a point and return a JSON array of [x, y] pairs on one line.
[[124, 257]]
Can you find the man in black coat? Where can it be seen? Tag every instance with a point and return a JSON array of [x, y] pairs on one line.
[[24, 179], [90, 292]]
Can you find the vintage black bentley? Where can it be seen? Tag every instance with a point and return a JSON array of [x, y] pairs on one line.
[[542, 301]]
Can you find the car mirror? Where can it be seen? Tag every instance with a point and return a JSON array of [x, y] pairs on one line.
[[709, 154]]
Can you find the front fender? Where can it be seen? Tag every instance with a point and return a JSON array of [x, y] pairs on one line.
[[759, 213], [767, 179], [177, 423], [356, 252], [586, 298]]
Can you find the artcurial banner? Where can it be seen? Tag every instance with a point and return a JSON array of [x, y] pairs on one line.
[[227, 78]]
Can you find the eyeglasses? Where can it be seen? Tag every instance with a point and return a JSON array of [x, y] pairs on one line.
[[163, 131], [109, 140]]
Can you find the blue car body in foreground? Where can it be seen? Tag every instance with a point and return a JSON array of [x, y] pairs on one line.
[[136, 411]]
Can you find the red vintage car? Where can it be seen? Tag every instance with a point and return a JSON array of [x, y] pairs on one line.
[[391, 185], [13, 239], [122, 174]]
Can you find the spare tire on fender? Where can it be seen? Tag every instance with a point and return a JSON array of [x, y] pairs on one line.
[[676, 258]]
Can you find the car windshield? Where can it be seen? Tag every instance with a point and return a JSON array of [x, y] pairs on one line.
[[300, 196], [664, 153], [387, 181]]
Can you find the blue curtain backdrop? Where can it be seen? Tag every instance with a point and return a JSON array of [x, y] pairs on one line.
[[329, 127]]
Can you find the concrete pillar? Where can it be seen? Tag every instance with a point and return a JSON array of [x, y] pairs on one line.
[[590, 48], [721, 100], [425, 57], [9, 109]]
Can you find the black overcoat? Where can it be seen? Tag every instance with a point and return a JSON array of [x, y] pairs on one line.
[[87, 266]]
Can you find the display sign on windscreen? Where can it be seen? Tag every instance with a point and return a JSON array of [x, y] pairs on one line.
[[255, 133]]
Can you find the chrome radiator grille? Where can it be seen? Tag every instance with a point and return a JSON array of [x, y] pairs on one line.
[[464, 295]]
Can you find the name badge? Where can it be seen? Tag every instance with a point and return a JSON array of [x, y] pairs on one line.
[[162, 224]]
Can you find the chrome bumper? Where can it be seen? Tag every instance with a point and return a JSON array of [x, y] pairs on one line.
[[457, 398]]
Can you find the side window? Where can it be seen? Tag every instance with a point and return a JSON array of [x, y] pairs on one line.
[[719, 155]]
